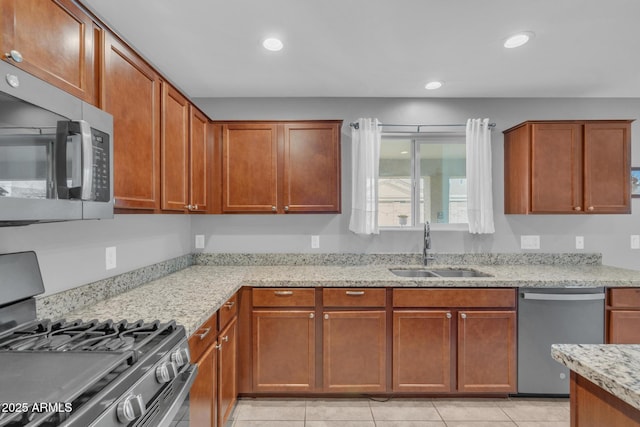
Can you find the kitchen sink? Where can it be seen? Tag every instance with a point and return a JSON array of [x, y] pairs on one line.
[[438, 272]]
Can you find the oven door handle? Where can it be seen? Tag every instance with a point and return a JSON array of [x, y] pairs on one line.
[[189, 377], [562, 297]]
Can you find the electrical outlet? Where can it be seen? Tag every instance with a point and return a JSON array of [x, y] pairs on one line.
[[110, 257], [315, 242], [579, 242], [199, 241], [635, 241], [530, 242]]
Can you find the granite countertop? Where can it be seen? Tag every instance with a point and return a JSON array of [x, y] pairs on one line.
[[191, 295], [613, 367]]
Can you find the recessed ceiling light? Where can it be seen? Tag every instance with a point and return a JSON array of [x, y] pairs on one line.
[[272, 44], [404, 152], [518, 40], [433, 85]]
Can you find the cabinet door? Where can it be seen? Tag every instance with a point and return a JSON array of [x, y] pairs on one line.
[[199, 160], [56, 40], [202, 397], [284, 345], [487, 351], [227, 371], [607, 152], [623, 327], [249, 167], [354, 351], [132, 96], [422, 351], [311, 168], [174, 150], [556, 168]]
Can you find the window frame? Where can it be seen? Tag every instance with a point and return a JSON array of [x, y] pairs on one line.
[[417, 222]]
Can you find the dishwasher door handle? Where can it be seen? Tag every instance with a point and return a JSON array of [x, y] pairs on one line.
[[563, 297]]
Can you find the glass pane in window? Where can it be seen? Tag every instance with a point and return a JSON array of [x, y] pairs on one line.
[[394, 183], [443, 189]]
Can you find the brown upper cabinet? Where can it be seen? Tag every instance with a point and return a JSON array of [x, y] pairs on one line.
[[131, 93], [174, 155], [201, 148], [568, 167], [56, 42], [280, 167]]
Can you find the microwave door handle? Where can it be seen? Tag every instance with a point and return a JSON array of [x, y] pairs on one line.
[[87, 160], [60, 164]]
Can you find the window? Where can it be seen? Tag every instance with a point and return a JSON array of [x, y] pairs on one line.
[[422, 177]]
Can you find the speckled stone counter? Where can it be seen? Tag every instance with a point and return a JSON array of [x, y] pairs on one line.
[[614, 368], [191, 295]]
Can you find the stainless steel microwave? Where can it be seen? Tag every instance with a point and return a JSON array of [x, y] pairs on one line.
[[56, 153]]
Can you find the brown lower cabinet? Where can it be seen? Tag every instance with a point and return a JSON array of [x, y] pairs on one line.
[[623, 316], [203, 394], [227, 371]]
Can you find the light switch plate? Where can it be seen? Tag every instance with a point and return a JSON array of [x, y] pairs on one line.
[[579, 242], [635, 241], [110, 257], [199, 241], [315, 242], [530, 242]]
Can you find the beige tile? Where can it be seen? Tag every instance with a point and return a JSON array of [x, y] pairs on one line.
[[481, 424], [486, 403], [339, 410], [240, 423], [536, 411], [410, 424], [463, 410], [270, 409], [404, 410], [543, 423], [340, 424]]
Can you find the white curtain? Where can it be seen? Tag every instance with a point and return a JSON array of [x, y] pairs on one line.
[[479, 188], [365, 152]]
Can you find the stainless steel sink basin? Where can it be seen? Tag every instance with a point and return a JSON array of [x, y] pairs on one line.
[[413, 272], [438, 272]]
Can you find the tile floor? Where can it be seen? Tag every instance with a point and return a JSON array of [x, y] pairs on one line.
[[513, 412]]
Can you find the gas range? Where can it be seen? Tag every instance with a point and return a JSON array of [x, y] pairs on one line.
[[90, 373]]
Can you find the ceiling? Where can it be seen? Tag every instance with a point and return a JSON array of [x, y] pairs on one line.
[[386, 48]]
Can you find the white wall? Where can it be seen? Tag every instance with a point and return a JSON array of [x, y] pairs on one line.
[[72, 254], [608, 234]]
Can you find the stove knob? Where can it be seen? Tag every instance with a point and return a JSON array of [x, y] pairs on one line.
[[166, 372], [180, 357], [130, 408]]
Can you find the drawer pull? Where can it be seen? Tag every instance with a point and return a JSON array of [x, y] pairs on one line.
[[204, 334], [464, 316], [230, 304], [355, 293], [225, 338], [283, 293], [448, 315], [311, 316], [218, 347]]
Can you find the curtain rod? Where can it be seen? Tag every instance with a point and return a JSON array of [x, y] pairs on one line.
[[356, 125]]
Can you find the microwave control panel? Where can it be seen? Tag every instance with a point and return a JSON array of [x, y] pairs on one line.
[[101, 166]]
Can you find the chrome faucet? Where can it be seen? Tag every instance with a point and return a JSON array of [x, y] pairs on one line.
[[427, 244]]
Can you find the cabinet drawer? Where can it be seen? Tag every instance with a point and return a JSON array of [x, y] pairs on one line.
[[476, 298], [228, 310], [624, 297], [284, 297], [353, 297], [203, 337]]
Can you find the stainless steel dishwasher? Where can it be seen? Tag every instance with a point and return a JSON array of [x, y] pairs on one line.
[[554, 316]]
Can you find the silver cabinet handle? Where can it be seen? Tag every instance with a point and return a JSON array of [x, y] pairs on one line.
[[286, 208], [355, 293], [225, 338], [326, 316], [15, 55], [218, 347], [188, 207], [204, 334], [273, 208], [464, 316], [311, 315], [195, 207], [448, 315], [230, 304], [283, 293], [563, 297], [590, 208]]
